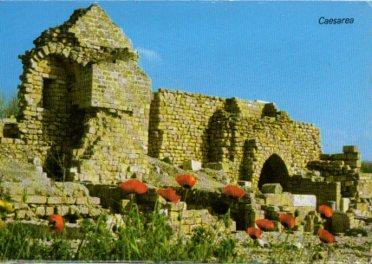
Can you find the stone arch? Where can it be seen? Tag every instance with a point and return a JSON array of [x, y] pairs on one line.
[[274, 170]]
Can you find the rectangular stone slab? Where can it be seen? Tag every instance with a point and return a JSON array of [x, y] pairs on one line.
[[304, 200]]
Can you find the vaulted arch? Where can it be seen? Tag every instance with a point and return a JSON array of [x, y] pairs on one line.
[[274, 170]]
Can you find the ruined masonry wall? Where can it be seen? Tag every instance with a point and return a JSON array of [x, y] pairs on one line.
[[210, 129], [178, 122], [296, 143], [116, 129], [324, 191], [96, 29]]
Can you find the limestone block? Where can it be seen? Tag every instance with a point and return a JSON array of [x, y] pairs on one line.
[[21, 214], [283, 199], [63, 210], [95, 200], [68, 200], [193, 165], [81, 200], [17, 198], [40, 211], [49, 210], [345, 204], [54, 200], [304, 200], [17, 206], [272, 188], [36, 199]]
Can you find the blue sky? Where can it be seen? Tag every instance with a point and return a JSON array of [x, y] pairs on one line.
[[272, 51]]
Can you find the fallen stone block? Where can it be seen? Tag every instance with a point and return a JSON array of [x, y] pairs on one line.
[[304, 200], [272, 188], [193, 165], [283, 199], [345, 204]]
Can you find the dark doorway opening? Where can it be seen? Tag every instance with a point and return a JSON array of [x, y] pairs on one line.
[[274, 170]]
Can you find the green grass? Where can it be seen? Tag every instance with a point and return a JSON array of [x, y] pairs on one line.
[[148, 237], [143, 237]]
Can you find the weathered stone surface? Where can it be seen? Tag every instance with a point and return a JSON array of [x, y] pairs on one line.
[[272, 188], [345, 204], [54, 200], [304, 200], [36, 199], [193, 165], [284, 199]]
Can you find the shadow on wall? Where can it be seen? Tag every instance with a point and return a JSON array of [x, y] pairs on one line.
[[62, 119], [247, 161], [155, 134]]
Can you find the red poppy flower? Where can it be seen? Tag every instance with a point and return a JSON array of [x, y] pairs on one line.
[[325, 236], [169, 194], [233, 191], [265, 224], [325, 211], [186, 180], [134, 186], [56, 222], [254, 233], [287, 220]]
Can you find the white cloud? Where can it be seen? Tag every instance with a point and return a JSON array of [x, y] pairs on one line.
[[149, 55]]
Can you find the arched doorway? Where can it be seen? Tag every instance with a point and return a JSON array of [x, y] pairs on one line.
[[274, 170]]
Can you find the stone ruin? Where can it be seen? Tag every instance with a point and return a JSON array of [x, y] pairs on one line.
[[88, 120]]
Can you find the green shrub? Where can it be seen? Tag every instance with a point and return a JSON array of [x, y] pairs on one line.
[[8, 108]]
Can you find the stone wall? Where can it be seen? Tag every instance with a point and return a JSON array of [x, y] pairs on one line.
[[178, 123], [324, 191], [241, 135], [341, 167], [84, 101]]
